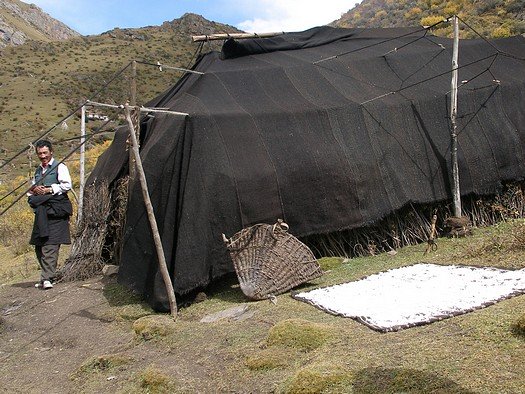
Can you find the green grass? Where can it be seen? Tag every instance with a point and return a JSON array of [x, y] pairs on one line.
[[292, 347]]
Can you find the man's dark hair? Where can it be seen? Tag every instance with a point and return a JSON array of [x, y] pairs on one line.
[[44, 143]]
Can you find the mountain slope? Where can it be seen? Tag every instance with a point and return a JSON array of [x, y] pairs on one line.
[[20, 22], [41, 82], [491, 18]]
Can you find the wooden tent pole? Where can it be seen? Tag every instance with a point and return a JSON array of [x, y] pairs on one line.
[[238, 36], [82, 162], [456, 195], [151, 216]]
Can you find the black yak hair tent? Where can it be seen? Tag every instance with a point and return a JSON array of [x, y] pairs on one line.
[[328, 129]]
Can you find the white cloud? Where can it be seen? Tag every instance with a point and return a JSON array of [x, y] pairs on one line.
[[293, 15]]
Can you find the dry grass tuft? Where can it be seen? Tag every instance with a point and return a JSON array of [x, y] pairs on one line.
[[324, 378], [102, 363], [153, 326], [299, 334], [518, 328], [268, 359], [154, 381]]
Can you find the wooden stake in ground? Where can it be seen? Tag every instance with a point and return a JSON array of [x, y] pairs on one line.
[[431, 242], [151, 216]]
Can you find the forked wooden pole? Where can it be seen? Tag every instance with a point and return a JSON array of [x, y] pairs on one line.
[[151, 216]]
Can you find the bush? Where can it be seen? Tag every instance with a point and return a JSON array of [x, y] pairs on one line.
[[501, 32], [431, 20]]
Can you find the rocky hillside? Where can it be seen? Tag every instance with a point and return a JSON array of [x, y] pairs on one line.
[[491, 18], [43, 81], [20, 22]]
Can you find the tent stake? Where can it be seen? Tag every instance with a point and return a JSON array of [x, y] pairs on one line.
[[151, 216], [456, 195]]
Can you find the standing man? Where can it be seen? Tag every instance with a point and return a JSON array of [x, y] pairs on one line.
[[49, 200]]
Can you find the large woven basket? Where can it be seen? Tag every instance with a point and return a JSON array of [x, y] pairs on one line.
[[270, 261]]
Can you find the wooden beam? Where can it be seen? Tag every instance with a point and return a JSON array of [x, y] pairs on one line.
[[238, 36]]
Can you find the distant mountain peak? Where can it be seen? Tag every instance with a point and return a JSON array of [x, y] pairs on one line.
[[20, 22]]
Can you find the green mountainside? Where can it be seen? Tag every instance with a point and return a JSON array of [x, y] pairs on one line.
[[490, 18], [42, 82]]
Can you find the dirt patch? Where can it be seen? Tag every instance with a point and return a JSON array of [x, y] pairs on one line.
[[47, 334]]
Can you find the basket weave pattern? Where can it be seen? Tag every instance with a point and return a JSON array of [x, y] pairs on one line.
[[270, 261]]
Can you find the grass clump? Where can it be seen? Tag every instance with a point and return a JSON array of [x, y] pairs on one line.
[[154, 381], [319, 379], [153, 326], [267, 359], [330, 263], [403, 380], [518, 328], [298, 334], [101, 364]]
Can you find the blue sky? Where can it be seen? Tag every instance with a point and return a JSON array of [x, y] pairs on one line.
[[97, 16]]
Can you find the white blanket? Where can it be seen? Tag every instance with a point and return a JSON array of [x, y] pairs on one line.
[[417, 294]]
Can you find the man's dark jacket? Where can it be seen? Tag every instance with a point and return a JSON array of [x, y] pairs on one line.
[[51, 225]]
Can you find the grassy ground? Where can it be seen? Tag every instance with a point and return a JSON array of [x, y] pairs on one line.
[[292, 347]]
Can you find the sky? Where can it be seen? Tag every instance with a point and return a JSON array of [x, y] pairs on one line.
[[261, 16]]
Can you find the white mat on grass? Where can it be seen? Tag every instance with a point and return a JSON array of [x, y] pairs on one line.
[[417, 294]]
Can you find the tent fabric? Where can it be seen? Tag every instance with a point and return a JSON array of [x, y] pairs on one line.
[[331, 129]]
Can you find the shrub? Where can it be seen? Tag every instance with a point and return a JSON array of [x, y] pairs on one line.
[[431, 20], [501, 32]]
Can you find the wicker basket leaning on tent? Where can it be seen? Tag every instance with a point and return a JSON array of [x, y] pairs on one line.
[[270, 261]]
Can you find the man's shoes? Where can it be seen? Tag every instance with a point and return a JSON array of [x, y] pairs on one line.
[[47, 285]]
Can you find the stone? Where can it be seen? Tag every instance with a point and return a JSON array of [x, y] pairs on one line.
[[110, 270]]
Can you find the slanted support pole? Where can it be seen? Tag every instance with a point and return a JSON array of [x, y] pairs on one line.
[[151, 215], [456, 195], [133, 102]]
